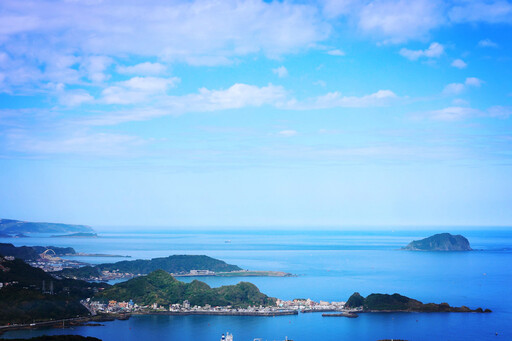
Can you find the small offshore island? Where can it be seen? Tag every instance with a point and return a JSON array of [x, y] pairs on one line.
[[440, 242]]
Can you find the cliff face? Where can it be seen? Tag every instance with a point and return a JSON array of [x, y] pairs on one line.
[[440, 242]]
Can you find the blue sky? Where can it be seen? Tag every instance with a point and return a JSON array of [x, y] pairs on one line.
[[256, 113]]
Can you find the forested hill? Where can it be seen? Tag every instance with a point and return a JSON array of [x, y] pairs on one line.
[[23, 300], [173, 264], [161, 288], [397, 302]]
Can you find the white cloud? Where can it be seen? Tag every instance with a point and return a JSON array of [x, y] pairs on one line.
[[493, 11], [487, 43], [335, 8], [459, 64], [205, 100], [457, 113], [400, 20], [14, 24], [281, 72], [176, 30], [235, 97], [473, 81], [137, 89], [460, 102], [288, 133], [457, 88], [336, 52], [336, 100], [75, 97], [143, 69], [499, 111], [454, 89], [435, 50], [78, 143], [452, 113], [95, 67]]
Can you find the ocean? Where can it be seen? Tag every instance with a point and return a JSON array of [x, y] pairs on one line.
[[331, 265]]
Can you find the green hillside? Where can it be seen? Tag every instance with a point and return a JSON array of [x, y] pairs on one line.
[[397, 302], [161, 288], [24, 301], [172, 264]]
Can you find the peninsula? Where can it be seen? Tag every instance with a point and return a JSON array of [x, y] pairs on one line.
[[14, 227], [440, 242], [76, 235], [177, 265]]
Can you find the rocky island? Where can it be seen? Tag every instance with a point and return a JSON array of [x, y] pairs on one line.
[[399, 303], [440, 242]]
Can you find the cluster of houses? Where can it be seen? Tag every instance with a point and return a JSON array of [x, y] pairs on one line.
[[306, 305]]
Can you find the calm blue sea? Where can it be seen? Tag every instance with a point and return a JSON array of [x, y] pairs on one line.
[[331, 265]]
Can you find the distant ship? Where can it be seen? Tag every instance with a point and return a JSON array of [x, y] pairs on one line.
[[228, 337]]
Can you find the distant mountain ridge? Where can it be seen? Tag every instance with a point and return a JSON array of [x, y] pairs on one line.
[[440, 242], [10, 226]]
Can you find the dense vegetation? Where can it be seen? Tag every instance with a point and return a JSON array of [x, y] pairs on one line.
[[24, 301], [32, 252], [10, 226], [161, 288], [440, 242], [396, 302], [172, 264]]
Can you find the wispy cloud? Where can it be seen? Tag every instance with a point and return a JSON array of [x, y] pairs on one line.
[[235, 97], [336, 52], [337, 100], [143, 69], [487, 43], [497, 11], [457, 88], [435, 50], [137, 89], [288, 133], [81, 143], [457, 113], [459, 64], [400, 20], [281, 72]]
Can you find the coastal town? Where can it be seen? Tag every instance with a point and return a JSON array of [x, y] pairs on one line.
[[282, 307]]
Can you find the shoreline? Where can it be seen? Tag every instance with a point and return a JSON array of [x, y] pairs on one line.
[[224, 313]]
